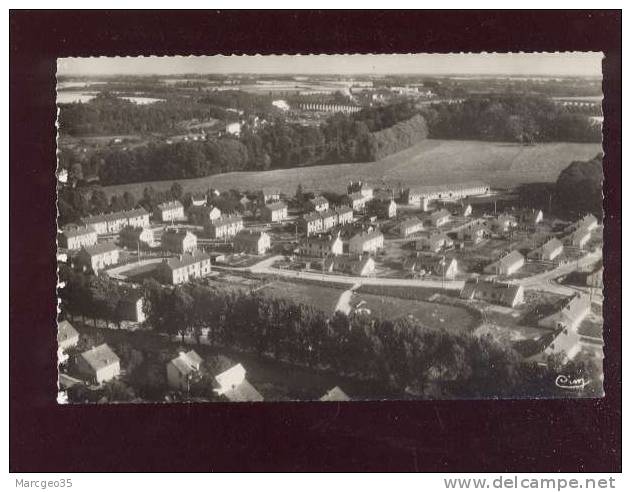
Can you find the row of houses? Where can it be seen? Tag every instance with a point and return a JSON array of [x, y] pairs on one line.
[[316, 222], [113, 222], [423, 196]]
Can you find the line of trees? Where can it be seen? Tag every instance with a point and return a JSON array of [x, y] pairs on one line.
[[510, 118], [402, 354]]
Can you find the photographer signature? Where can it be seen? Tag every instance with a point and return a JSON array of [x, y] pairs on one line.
[[567, 382]]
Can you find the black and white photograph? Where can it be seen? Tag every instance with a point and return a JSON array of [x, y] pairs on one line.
[[330, 227]]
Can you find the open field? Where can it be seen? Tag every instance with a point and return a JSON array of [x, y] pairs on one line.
[[429, 162], [322, 298]]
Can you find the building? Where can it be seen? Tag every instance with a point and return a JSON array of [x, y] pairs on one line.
[[548, 251], [183, 268], [99, 364], [136, 237], [182, 369], [566, 342], [579, 238], [114, 222], [440, 217], [267, 195], [77, 237], [473, 232], [360, 187], [170, 211], [501, 293], [67, 338], [324, 245], [335, 394], [382, 208], [531, 217], [507, 265], [588, 222], [318, 204], [350, 264], [434, 265], [233, 385], [424, 195], [274, 212], [465, 210], [97, 257], [595, 278], [365, 242], [224, 227], [344, 215], [311, 223], [329, 219], [410, 226], [252, 242], [503, 223], [356, 201], [198, 199], [573, 311], [434, 242], [179, 241], [233, 129], [132, 307], [202, 214]]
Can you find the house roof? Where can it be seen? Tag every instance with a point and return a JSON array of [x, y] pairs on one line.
[[227, 220], [328, 213], [243, 392], [550, 246], [367, 236], [343, 209], [335, 394], [187, 362], [347, 263], [275, 206], [588, 220], [65, 331], [185, 260], [510, 259], [319, 200], [439, 214], [571, 310], [357, 195], [178, 234], [248, 235], [100, 357], [580, 233], [412, 222], [100, 248], [311, 217], [505, 292], [125, 214], [327, 239], [170, 205]]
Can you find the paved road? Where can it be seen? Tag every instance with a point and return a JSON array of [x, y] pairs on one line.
[[542, 281]]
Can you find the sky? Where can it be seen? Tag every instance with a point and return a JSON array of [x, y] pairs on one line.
[[586, 64]]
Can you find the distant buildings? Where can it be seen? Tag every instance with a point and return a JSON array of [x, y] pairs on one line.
[[113, 222], [434, 242], [180, 370], [360, 187], [548, 251], [503, 223], [184, 268], [269, 195], [501, 293], [365, 242], [383, 208], [344, 215], [252, 242], [316, 222], [67, 337], [170, 211], [579, 238], [356, 201], [434, 265], [136, 237], [322, 246], [274, 212], [410, 227], [97, 257], [423, 196], [76, 238], [99, 364], [507, 265], [224, 227], [202, 214], [233, 385], [179, 241]]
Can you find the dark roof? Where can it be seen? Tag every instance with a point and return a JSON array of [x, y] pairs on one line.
[[227, 220], [420, 190], [185, 260], [249, 235], [506, 292], [170, 205], [410, 222], [275, 206], [319, 200], [343, 209], [78, 231], [510, 259]]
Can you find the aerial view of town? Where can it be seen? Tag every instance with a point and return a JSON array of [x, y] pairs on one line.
[[247, 229]]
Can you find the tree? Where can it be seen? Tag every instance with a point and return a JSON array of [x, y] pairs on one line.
[[176, 191], [579, 187]]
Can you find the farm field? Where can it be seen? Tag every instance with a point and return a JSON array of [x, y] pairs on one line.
[[429, 162], [323, 298]]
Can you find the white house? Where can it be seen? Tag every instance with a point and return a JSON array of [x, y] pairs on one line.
[[77, 237], [440, 217], [501, 293], [274, 212], [226, 226], [311, 223], [179, 241], [67, 337], [97, 257], [507, 265], [253, 242], [233, 385], [573, 311], [319, 204], [365, 242], [579, 238], [322, 246], [335, 394], [410, 226], [355, 265], [99, 364], [183, 268], [136, 237], [547, 251], [433, 242], [170, 211], [181, 370]]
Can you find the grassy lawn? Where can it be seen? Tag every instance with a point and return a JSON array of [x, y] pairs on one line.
[[428, 162], [323, 298], [431, 314]]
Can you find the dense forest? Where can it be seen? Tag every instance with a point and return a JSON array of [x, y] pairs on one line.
[[579, 187], [524, 119], [401, 354]]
